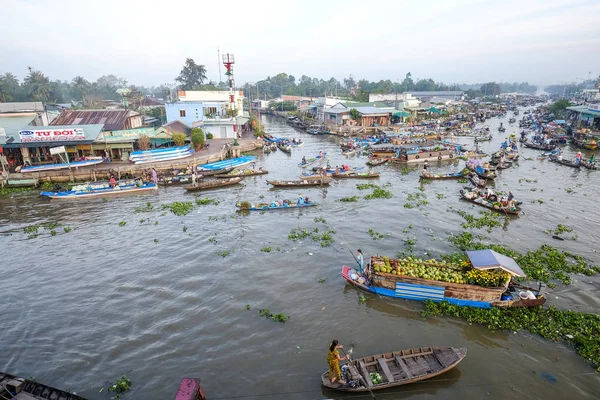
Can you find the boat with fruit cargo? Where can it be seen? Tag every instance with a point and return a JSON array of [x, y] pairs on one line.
[[476, 180], [285, 147], [453, 175], [484, 280], [303, 183], [242, 172], [356, 175], [492, 204], [244, 205], [212, 184], [381, 371], [584, 140], [15, 388]]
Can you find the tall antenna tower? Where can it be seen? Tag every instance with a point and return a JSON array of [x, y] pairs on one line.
[[219, 63], [228, 61]]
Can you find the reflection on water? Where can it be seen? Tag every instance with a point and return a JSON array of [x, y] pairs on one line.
[[157, 302]]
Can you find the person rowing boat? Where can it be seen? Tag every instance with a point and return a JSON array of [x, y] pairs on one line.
[[333, 361]]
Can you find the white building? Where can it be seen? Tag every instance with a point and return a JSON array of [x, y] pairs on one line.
[[214, 96]]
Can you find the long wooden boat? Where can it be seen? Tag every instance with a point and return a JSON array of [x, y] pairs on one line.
[[476, 199], [285, 148], [16, 388], [483, 138], [308, 162], [566, 163], [485, 175], [232, 162], [82, 191], [453, 175], [356, 175], [397, 368], [461, 294], [205, 173], [168, 180], [376, 162], [53, 167], [588, 165], [537, 146], [242, 173], [212, 184], [476, 180], [302, 183], [266, 207]]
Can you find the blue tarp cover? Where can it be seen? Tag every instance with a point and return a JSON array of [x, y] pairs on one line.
[[489, 259]]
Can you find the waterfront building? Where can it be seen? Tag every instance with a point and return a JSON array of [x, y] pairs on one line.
[[586, 116]]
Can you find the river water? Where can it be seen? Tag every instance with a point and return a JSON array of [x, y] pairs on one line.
[[154, 301]]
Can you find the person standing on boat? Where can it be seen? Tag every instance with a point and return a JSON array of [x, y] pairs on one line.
[[303, 159], [578, 158], [194, 177], [154, 176], [360, 261], [333, 360], [112, 183]]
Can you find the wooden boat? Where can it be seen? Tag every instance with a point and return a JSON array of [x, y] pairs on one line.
[[486, 175], [207, 172], [501, 129], [53, 167], [538, 146], [22, 182], [308, 162], [349, 153], [298, 144], [455, 289], [212, 184], [96, 190], [16, 388], [285, 148], [230, 163], [242, 173], [494, 206], [483, 138], [356, 175], [588, 165], [512, 120], [476, 181], [302, 183], [190, 389], [168, 180], [397, 368], [453, 175], [566, 163], [266, 207], [376, 162]]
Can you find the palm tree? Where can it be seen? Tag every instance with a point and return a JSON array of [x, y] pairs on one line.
[[82, 87], [10, 89], [38, 85]]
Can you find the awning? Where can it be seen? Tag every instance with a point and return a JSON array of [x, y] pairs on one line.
[[489, 259], [435, 110], [242, 120], [401, 114]]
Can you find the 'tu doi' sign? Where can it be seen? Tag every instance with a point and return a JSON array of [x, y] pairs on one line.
[[58, 135]]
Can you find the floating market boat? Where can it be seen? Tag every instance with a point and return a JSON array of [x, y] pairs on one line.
[[501, 129], [308, 162], [539, 146], [314, 130], [157, 155], [483, 138], [244, 205], [348, 153], [300, 144], [232, 162], [588, 165], [484, 281], [476, 180], [15, 388], [212, 184], [286, 148], [475, 198], [356, 175], [397, 368], [53, 167], [243, 172], [566, 163], [94, 189], [512, 120], [479, 170], [417, 154], [584, 140], [453, 175], [376, 162], [302, 183], [168, 180], [207, 172]]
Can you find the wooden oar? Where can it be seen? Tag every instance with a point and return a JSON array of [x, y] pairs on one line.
[[361, 378]]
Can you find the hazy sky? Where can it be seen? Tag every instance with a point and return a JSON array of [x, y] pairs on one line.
[[460, 41]]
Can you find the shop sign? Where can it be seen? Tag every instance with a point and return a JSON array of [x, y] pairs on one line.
[[127, 134], [51, 135], [57, 150]]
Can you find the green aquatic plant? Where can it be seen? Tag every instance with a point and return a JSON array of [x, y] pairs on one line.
[[266, 249], [224, 253], [375, 235], [349, 199], [179, 208], [582, 330], [148, 207], [320, 219], [275, 317], [121, 386], [405, 171], [365, 186], [298, 234], [440, 196], [53, 232], [67, 229], [206, 201], [488, 220], [462, 180], [560, 228], [122, 223], [379, 193]]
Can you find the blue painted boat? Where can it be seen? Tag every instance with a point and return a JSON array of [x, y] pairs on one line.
[[508, 294], [51, 167], [157, 155], [95, 190], [266, 207], [232, 162]]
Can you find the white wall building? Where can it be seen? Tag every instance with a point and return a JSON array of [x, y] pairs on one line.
[[214, 96]]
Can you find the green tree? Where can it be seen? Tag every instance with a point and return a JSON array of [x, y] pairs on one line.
[[81, 87], [354, 114], [10, 88], [490, 89], [192, 75], [179, 138], [37, 85], [559, 107], [197, 138]]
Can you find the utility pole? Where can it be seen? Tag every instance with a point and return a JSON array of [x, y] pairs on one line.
[[219, 63]]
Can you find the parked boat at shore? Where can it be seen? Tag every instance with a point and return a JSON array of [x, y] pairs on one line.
[[53, 167], [95, 189], [397, 368], [212, 184], [232, 162], [163, 154]]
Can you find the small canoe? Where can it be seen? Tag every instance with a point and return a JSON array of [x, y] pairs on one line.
[[242, 173], [537, 146], [266, 207], [208, 172], [483, 138], [297, 144], [356, 175], [566, 163], [232, 162], [476, 199], [212, 184], [307, 163], [477, 181], [588, 165], [168, 180], [53, 167], [286, 149], [302, 183], [453, 175], [349, 153], [82, 192], [376, 162], [397, 368]]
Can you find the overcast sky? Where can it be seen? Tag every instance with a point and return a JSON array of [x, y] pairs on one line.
[[460, 41]]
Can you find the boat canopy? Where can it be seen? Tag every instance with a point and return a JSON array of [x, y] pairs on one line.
[[400, 114], [489, 259], [435, 110]]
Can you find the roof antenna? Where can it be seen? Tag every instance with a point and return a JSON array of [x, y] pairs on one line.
[[219, 63]]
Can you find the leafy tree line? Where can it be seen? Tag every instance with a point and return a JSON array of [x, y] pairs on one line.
[[504, 87]]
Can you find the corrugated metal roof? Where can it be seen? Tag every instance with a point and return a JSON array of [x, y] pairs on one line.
[[177, 127], [371, 110], [31, 106], [113, 120]]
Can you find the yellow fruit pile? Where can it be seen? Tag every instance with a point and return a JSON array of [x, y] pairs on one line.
[[489, 278]]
